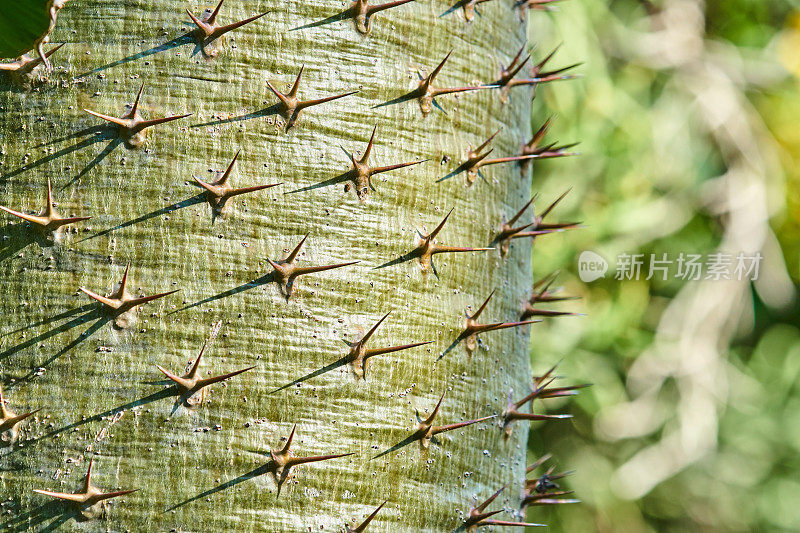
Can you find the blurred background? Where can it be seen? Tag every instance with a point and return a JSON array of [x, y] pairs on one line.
[[688, 113]]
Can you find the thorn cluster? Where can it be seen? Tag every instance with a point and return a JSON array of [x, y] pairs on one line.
[[428, 246], [208, 30], [220, 191], [285, 271], [360, 354], [89, 501], [48, 221], [9, 432], [191, 387], [542, 392], [290, 107], [363, 526], [539, 75], [282, 460], [548, 151], [362, 13], [23, 66], [508, 231], [131, 126], [426, 430], [426, 92], [120, 301], [472, 327], [477, 159], [539, 491], [543, 294], [479, 517], [360, 176]]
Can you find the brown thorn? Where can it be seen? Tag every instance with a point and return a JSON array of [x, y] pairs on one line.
[[539, 462], [428, 421], [247, 190], [296, 461], [363, 526], [437, 249], [201, 383], [388, 5], [368, 149], [435, 72], [432, 235], [293, 255], [490, 499], [308, 103], [514, 415], [487, 141], [289, 440], [509, 523], [213, 17], [227, 172], [156, 121], [513, 219], [389, 168], [435, 430], [381, 351], [222, 30], [300, 271], [483, 306], [372, 330]]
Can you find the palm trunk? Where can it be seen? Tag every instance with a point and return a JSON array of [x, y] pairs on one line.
[[95, 379]]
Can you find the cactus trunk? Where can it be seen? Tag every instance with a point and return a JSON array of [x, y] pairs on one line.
[[199, 464]]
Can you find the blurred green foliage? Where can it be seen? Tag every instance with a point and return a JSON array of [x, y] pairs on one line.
[[21, 23], [642, 185]]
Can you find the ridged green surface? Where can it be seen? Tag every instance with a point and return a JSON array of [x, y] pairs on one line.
[[55, 353]]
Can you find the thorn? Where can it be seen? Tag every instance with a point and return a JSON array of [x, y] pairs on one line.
[[9, 432], [131, 125], [540, 391], [508, 73], [285, 271], [540, 491], [120, 301], [220, 191], [23, 66], [363, 526], [89, 499], [290, 107], [472, 327], [474, 159], [208, 30], [531, 499], [426, 430], [539, 75], [537, 5], [282, 460], [191, 386], [428, 247], [479, 517], [536, 228], [550, 151], [48, 221], [425, 92], [360, 176], [362, 13], [360, 354]]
